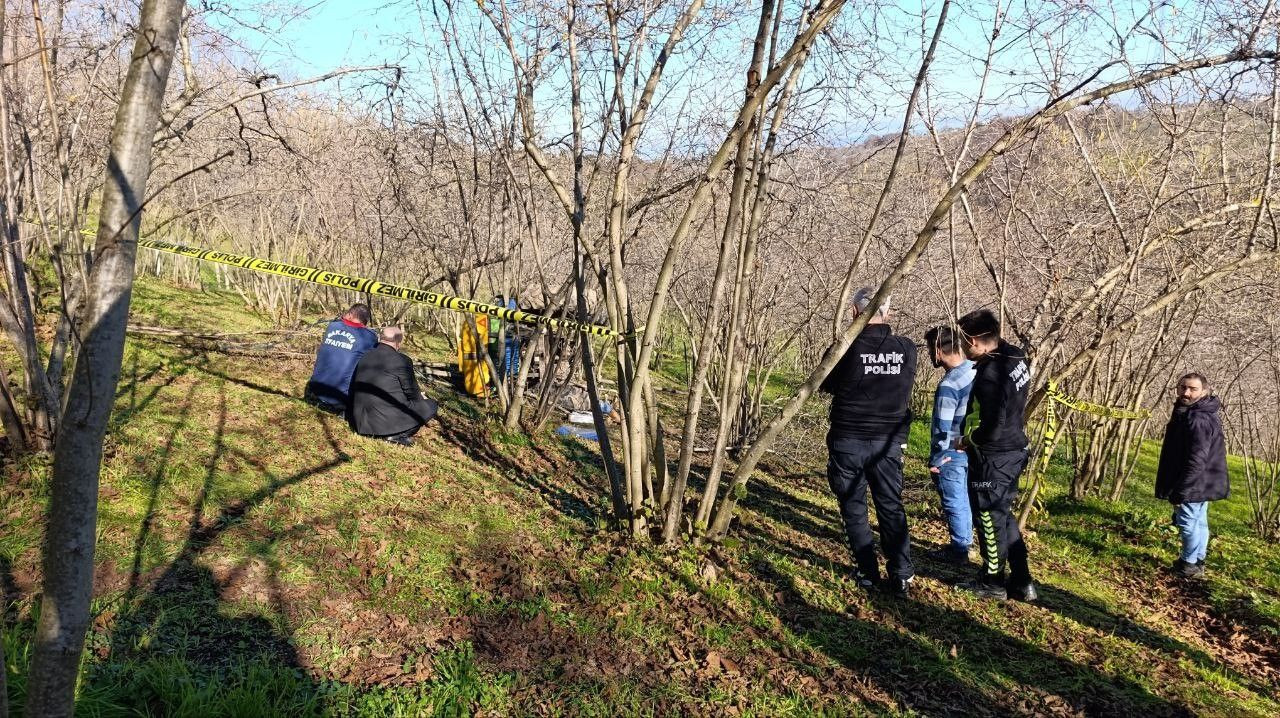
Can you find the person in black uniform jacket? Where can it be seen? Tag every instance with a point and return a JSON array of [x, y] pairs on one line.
[[996, 444], [385, 400], [870, 393]]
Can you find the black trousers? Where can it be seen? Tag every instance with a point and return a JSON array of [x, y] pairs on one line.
[[402, 437], [993, 491], [853, 465], [323, 399], [425, 410]]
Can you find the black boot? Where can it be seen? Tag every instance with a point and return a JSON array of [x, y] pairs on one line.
[[1188, 570], [898, 587], [950, 555], [985, 587], [865, 581], [1023, 591]]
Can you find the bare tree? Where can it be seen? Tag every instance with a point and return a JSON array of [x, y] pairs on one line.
[[1058, 106], [71, 527]]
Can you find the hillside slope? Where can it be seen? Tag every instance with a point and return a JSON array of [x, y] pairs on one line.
[[255, 558]]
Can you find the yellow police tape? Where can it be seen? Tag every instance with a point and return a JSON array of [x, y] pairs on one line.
[[371, 286], [361, 284], [1051, 419], [1091, 408]]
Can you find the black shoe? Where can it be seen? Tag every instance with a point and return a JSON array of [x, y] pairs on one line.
[[898, 587], [865, 581], [950, 556], [400, 440], [1186, 569], [1023, 592], [982, 589]]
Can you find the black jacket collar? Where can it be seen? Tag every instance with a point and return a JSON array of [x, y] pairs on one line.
[[876, 331]]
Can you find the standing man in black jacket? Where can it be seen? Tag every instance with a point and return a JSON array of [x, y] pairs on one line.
[[996, 445], [870, 393], [1193, 469], [385, 400]]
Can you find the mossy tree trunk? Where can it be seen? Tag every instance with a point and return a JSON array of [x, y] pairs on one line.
[[71, 527]]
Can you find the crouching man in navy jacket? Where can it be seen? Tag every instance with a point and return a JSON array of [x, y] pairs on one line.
[[346, 339]]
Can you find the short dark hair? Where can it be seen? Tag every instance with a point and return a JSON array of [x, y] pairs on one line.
[[979, 323], [360, 312], [1204, 381], [942, 339]]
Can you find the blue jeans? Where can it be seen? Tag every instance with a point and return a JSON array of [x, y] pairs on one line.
[[1192, 521], [506, 359], [952, 485], [511, 358]]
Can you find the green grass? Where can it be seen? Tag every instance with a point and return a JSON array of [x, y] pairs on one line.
[[177, 687], [255, 558], [164, 304]]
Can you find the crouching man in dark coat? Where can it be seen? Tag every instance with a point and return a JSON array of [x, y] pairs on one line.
[[1193, 469], [386, 402]]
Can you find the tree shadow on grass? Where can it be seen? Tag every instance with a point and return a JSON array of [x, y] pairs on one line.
[[1111, 530], [1096, 616], [916, 667], [574, 495], [808, 518], [135, 378], [777, 504], [781, 479], [205, 367], [9, 592], [578, 491], [1116, 531], [13, 692], [175, 636], [513, 629], [449, 398], [799, 514]]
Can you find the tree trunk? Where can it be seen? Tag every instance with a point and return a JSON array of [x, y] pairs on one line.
[[73, 501], [11, 419], [17, 313]]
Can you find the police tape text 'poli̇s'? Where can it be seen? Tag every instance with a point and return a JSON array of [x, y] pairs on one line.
[[371, 286]]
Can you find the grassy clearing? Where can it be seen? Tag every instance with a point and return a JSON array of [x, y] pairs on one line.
[[255, 558]]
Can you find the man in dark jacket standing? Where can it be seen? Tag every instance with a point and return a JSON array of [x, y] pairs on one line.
[[1193, 469], [346, 339], [385, 400], [996, 445], [870, 393]]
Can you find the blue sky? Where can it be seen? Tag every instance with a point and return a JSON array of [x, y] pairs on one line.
[[329, 34], [334, 33]]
